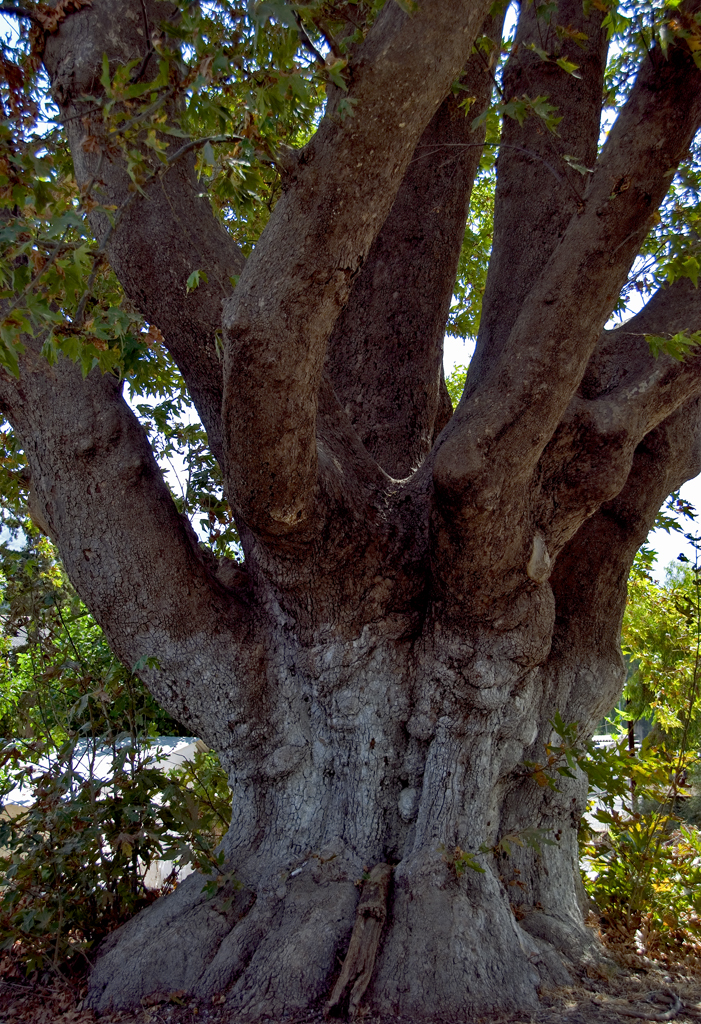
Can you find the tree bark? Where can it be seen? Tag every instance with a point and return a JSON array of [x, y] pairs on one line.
[[412, 609], [385, 353]]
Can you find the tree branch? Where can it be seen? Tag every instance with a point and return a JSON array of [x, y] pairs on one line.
[[306, 41], [385, 352], [132, 557], [622, 358], [292, 290], [532, 207], [590, 575], [493, 444], [625, 394], [17, 12], [160, 238], [138, 72]]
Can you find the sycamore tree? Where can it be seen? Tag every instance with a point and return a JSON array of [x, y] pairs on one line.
[[260, 209]]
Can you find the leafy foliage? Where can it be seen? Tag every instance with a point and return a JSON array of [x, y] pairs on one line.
[[562, 755], [661, 640], [78, 732], [75, 862], [642, 862], [642, 858], [455, 382], [181, 447], [466, 309], [676, 345]]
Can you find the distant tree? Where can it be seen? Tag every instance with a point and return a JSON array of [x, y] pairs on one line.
[[421, 590], [661, 636]]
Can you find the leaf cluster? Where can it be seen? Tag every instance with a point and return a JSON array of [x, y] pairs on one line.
[[641, 861], [660, 638]]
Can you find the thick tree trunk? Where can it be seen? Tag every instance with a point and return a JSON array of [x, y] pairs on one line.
[[404, 743], [395, 750]]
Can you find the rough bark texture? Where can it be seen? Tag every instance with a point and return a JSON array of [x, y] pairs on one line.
[[412, 609], [385, 353]]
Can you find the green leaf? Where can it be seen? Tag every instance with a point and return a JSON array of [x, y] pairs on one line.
[[346, 106], [678, 346], [105, 80], [543, 54], [517, 109], [334, 71], [147, 662], [576, 164], [479, 120], [8, 358], [690, 269], [569, 67], [194, 280]]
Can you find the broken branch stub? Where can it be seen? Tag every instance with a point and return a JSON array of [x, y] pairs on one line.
[[360, 959]]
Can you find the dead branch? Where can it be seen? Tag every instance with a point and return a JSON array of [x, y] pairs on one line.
[[365, 940]]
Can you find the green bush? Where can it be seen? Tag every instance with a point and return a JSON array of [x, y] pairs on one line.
[[75, 861], [79, 731], [642, 867]]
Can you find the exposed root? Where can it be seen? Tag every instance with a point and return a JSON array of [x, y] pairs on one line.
[[365, 940], [661, 997]]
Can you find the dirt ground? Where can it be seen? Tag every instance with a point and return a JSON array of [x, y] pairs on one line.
[[629, 987]]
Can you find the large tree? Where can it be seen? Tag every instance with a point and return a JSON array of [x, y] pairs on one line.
[[422, 590]]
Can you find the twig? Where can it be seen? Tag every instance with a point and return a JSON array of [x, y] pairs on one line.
[[551, 144], [329, 37], [136, 75], [196, 143], [490, 72], [501, 145], [80, 311], [642, 39], [669, 1014], [146, 112], [70, 637], [306, 41], [18, 12]]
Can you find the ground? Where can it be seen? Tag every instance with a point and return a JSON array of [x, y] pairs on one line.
[[616, 995]]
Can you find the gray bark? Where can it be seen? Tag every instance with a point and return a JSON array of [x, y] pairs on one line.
[[412, 610]]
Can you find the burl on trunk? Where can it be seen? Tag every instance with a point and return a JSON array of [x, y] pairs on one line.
[[422, 590]]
